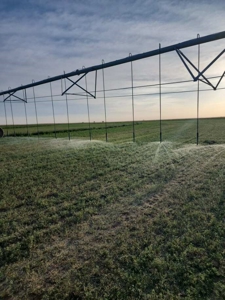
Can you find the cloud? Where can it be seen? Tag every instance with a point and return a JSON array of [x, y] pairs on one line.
[[44, 38]]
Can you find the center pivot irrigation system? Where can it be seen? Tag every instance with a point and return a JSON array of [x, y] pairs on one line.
[[11, 95]]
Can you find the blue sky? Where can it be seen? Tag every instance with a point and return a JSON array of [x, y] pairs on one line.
[[44, 38]]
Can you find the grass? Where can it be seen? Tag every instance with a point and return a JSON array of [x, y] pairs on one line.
[[183, 130], [96, 220]]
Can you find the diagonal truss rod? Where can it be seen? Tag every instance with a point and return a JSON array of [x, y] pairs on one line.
[[186, 44], [209, 65], [12, 95], [73, 83], [76, 83], [183, 57], [220, 79]]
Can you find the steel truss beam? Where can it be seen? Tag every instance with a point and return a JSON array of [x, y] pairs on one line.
[[8, 98], [200, 74], [76, 83], [186, 44]]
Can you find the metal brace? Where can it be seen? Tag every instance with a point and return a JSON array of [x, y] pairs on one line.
[[200, 74], [18, 98], [76, 83]]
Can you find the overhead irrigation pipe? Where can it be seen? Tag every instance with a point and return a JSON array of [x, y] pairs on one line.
[[186, 44]]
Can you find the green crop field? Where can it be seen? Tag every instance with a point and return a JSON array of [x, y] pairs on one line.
[[183, 130], [84, 219]]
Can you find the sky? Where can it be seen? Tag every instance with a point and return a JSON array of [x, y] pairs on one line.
[[46, 38]]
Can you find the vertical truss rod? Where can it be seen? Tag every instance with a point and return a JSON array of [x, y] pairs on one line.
[[186, 44], [6, 122], [104, 97], [160, 96], [198, 96], [88, 109], [67, 110], [132, 98]]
